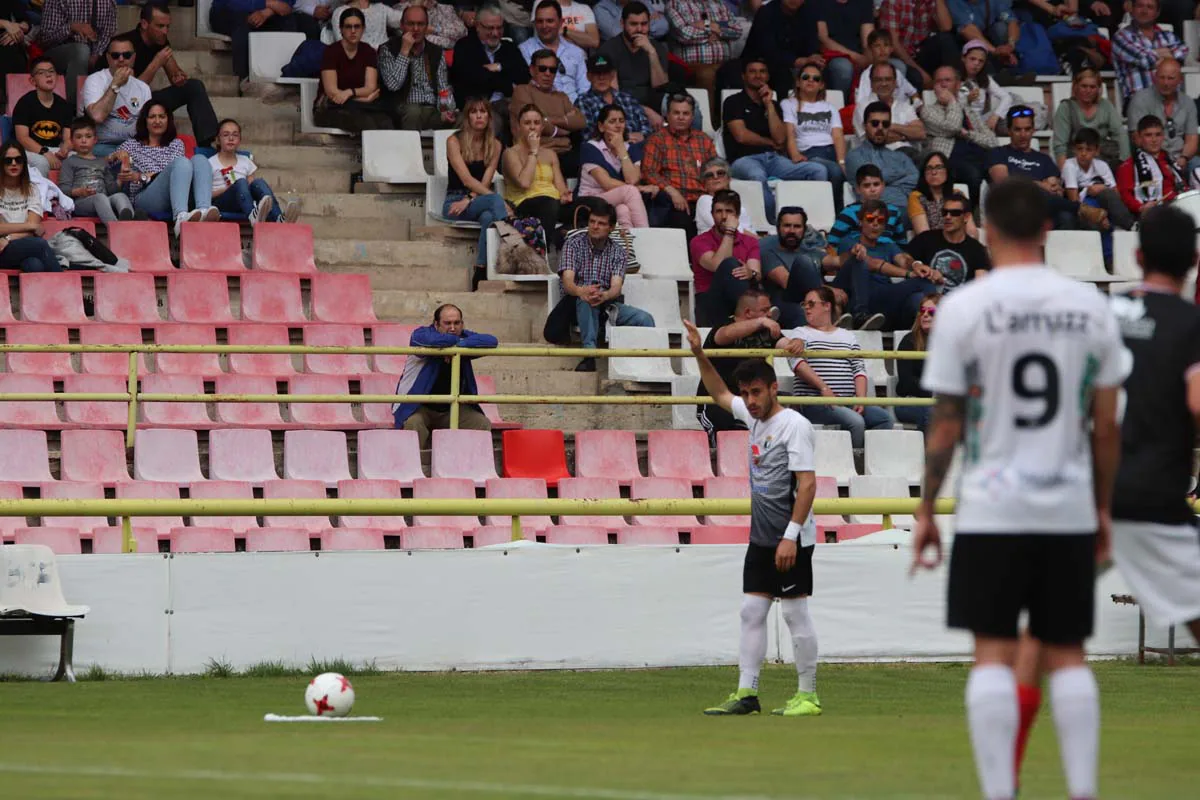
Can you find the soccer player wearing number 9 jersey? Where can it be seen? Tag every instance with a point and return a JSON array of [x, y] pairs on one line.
[[1025, 366]]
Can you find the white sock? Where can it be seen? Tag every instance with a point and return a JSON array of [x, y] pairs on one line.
[[992, 716], [752, 648], [1075, 701], [804, 640]]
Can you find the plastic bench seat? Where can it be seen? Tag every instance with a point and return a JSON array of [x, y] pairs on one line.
[[94, 413], [896, 452], [316, 455], [462, 454], [370, 489], [110, 363], [110, 540], [165, 454], [727, 488], [283, 247], [389, 454], [250, 415], [36, 414], [202, 540], [535, 454], [269, 297], [321, 415], [678, 454], [863, 486], [834, 456], [490, 535], [649, 370], [174, 415], [721, 534], [295, 490], [51, 226], [352, 539], [278, 540], [198, 297], [53, 364], [55, 297], [223, 490], [518, 488], [276, 364], [153, 491], [659, 489], [63, 541], [206, 247], [733, 454], [486, 384], [241, 455], [11, 491], [6, 314], [378, 413], [607, 454], [576, 534], [590, 489], [92, 455], [446, 488], [126, 298], [70, 490], [342, 298], [143, 243], [335, 363], [391, 336], [430, 537], [204, 364], [648, 535]]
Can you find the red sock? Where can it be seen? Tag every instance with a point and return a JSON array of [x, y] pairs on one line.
[[1029, 699]]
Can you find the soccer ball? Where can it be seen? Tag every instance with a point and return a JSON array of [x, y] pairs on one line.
[[329, 695]]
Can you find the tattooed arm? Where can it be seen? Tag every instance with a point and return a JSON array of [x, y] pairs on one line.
[[1106, 453], [945, 431]]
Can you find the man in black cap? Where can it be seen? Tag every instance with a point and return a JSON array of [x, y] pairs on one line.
[[602, 75]]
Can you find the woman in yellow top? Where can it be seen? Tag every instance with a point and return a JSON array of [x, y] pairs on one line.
[[533, 182], [934, 185]]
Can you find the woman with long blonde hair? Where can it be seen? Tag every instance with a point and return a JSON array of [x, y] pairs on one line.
[[472, 153], [908, 371]]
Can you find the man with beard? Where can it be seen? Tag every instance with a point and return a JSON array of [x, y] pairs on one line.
[[641, 62], [954, 257]]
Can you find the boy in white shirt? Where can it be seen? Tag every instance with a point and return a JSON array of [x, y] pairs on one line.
[[1090, 180]]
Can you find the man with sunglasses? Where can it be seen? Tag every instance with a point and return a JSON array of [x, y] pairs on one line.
[[114, 97], [1176, 111], [954, 257], [906, 127], [74, 34], [869, 185], [898, 171], [570, 76], [561, 117]]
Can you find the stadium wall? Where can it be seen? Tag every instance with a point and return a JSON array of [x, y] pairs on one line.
[[523, 607]]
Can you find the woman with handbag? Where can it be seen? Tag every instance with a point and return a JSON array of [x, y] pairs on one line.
[[533, 181], [612, 169]]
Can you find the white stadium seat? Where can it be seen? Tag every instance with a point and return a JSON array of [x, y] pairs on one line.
[[308, 96], [662, 252], [393, 157], [834, 455], [659, 298], [835, 98], [684, 417], [751, 194], [876, 369], [705, 107], [896, 453], [203, 29], [647, 370], [870, 486], [270, 51], [815, 197], [1077, 254]]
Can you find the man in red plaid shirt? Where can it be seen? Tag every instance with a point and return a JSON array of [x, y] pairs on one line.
[[919, 39], [672, 161]]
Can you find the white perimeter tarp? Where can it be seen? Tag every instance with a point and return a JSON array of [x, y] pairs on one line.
[[531, 606]]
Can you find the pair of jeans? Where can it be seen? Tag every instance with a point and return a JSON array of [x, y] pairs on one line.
[[967, 163], [108, 207], [484, 209], [826, 156], [804, 275], [168, 192], [874, 418], [194, 95], [236, 25], [588, 318], [72, 60], [763, 166], [914, 415], [29, 254], [899, 302], [243, 196]]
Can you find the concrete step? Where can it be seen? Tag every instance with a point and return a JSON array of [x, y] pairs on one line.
[[201, 62], [306, 180], [255, 133], [429, 277], [251, 110], [388, 253], [362, 206], [217, 85], [479, 310], [396, 230], [297, 157], [584, 417]]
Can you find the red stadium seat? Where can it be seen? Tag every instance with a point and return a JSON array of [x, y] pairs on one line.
[[590, 489], [241, 455], [202, 540], [51, 226], [143, 490], [662, 489], [352, 539], [429, 537], [19, 84], [391, 455], [206, 247], [56, 365], [370, 489], [321, 415], [110, 540], [94, 413], [834, 525], [378, 413], [721, 534], [342, 298], [518, 488], [223, 490], [205, 364], [165, 454], [278, 540], [70, 490], [278, 364], [391, 335], [535, 454], [648, 535], [174, 415], [489, 535], [269, 297], [63, 541], [607, 454], [462, 454], [727, 488], [335, 363], [678, 454], [55, 297], [446, 488], [97, 456], [110, 363], [283, 247], [198, 297], [486, 384], [733, 454], [126, 298], [143, 244], [316, 456], [6, 314], [299, 490], [10, 491], [252, 415], [36, 414], [576, 534]]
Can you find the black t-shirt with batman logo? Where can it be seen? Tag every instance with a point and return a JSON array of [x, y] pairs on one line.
[[956, 261], [46, 125]]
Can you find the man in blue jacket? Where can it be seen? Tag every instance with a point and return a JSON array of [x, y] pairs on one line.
[[431, 375]]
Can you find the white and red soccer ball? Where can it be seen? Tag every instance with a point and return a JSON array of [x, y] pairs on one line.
[[329, 695]]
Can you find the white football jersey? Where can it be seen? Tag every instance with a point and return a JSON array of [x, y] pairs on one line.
[[1026, 346]]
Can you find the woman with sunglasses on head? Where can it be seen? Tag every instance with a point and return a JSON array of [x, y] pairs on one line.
[[715, 176], [815, 129], [934, 185], [349, 91], [1087, 107], [909, 371], [533, 181], [21, 244], [612, 169], [158, 175]]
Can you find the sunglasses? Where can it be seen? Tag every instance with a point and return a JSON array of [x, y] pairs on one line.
[[542, 68], [1020, 111], [929, 311], [14, 160], [354, 27], [880, 123], [953, 212], [716, 173], [121, 55], [876, 218], [812, 303], [813, 78]]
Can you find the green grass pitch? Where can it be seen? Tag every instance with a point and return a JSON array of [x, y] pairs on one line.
[[889, 731]]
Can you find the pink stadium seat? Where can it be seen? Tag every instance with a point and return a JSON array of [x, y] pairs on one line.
[[198, 297], [834, 525], [486, 384], [69, 490], [10, 491], [647, 534], [36, 414], [174, 415], [142, 490], [19, 84], [391, 335], [370, 489], [352, 539], [52, 226], [143, 244], [662, 489], [52, 297], [53, 364], [241, 455], [321, 415], [97, 456], [721, 534], [490, 535], [93, 413], [678, 454], [389, 454], [590, 489], [342, 298], [110, 363], [6, 314], [335, 336], [277, 540], [535, 454], [446, 488], [223, 490], [24, 457], [205, 364], [279, 364], [202, 540], [519, 489], [110, 540], [463, 454], [429, 537], [164, 454], [316, 456], [280, 247], [607, 454], [298, 490], [265, 415], [63, 541], [378, 413], [271, 297], [206, 247], [725, 488], [126, 298], [576, 534], [733, 454]]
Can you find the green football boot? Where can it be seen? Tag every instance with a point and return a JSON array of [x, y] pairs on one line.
[[743, 702], [801, 704]]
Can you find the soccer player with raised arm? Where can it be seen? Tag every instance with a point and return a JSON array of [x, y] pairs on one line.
[[783, 533], [1025, 368]]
